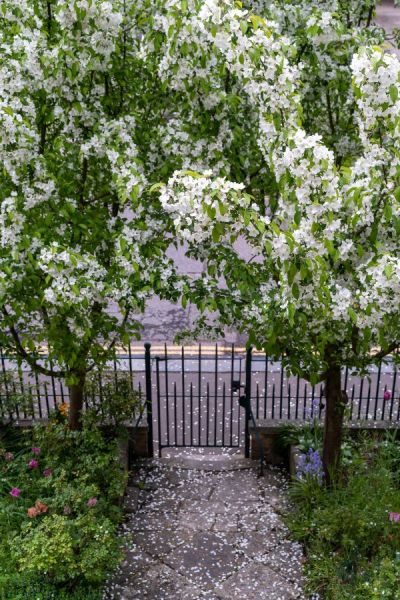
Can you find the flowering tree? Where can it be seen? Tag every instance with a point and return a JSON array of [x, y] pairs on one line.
[[321, 289], [79, 231]]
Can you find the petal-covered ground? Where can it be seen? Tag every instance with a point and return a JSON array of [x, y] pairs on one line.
[[201, 533]]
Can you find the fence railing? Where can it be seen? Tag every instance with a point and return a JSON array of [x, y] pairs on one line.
[[186, 373]]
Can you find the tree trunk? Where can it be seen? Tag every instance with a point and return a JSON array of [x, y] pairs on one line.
[[76, 398], [333, 422]]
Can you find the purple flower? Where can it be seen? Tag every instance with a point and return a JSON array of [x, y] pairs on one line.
[[15, 492], [387, 395], [33, 464], [35, 450], [9, 456], [394, 517], [91, 502], [310, 465], [47, 473]]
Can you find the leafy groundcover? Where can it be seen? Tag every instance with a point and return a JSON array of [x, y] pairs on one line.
[[60, 494], [351, 531]]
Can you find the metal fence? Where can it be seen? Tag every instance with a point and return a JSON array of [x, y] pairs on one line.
[[192, 392]]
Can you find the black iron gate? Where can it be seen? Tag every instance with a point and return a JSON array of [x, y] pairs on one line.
[[193, 398]]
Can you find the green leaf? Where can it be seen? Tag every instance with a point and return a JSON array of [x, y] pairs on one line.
[[394, 92]]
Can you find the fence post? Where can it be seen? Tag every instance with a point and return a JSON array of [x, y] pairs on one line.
[[149, 399], [247, 391]]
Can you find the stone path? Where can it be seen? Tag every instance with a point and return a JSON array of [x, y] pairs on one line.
[[196, 534]]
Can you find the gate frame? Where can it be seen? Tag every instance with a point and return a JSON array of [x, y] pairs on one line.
[[149, 403]]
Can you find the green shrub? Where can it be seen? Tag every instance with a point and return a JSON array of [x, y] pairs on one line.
[[60, 497], [64, 549], [351, 543]]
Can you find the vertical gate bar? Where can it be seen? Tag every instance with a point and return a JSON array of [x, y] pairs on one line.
[[265, 385], [14, 389], [368, 400], [191, 413], [257, 401], [160, 445], [3, 366], [62, 391], [288, 406], [216, 395], [383, 405], [346, 376], [312, 400], [199, 384], [208, 412], [166, 392], [378, 382], [297, 397], [46, 395], [305, 401], [53, 386], [281, 394], [231, 406], [183, 398], [22, 386], [352, 402], [248, 401], [273, 402], [149, 400], [223, 414], [360, 398], [100, 390], [101, 393], [115, 372], [130, 363], [31, 402], [320, 401], [175, 415], [38, 396], [393, 392], [398, 410]]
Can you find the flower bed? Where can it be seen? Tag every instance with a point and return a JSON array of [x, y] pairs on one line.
[[351, 531], [59, 511]]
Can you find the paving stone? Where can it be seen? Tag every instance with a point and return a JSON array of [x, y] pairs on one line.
[[237, 487], [207, 536], [207, 558], [255, 544], [160, 583], [196, 521], [160, 542], [256, 582], [287, 559], [226, 522], [194, 490], [211, 507], [131, 500], [146, 520]]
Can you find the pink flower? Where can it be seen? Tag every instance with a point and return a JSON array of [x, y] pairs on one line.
[[35, 450], [33, 464], [394, 517], [9, 456], [47, 473], [91, 502], [15, 492], [387, 395]]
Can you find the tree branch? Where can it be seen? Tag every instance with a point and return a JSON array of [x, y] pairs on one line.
[[26, 356]]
